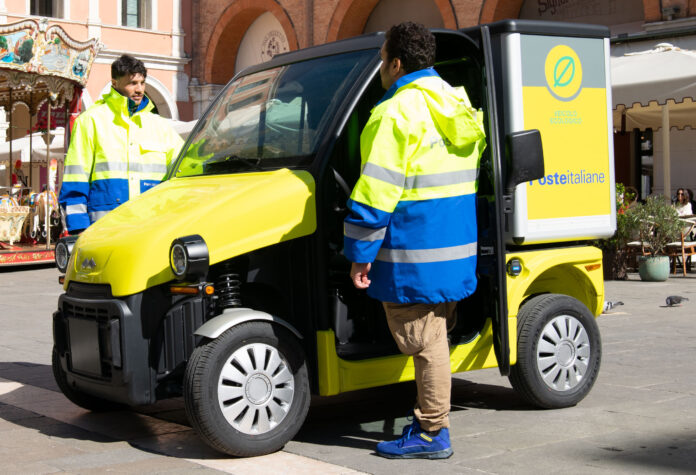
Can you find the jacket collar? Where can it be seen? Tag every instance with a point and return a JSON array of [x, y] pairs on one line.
[[406, 79], [119, 103]]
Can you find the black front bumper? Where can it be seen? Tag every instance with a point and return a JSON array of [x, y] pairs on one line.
[[128, 350]]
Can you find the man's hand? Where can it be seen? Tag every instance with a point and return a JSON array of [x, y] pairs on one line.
[[358, 274]]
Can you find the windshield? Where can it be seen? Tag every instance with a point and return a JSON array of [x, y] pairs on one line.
[[271, 119]]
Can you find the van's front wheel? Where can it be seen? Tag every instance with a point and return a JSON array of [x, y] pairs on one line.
[[559, 350], [247, 392]]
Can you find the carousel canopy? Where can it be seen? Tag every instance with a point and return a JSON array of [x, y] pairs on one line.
[[44, 69], [39, 62]]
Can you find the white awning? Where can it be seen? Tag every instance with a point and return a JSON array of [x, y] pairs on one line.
[[655, 89], [642, 82]]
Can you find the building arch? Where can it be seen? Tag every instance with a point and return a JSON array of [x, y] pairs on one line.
[[350, 17], [230, 29], [162, 98]]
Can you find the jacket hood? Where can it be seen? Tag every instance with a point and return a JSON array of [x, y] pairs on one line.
[[451, 110]]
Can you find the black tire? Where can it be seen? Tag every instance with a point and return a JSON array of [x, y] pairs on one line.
[[86, 401], [269, 388], [564, 369]]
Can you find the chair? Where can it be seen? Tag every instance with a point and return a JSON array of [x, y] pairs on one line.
[[637, 248], [683, 248]]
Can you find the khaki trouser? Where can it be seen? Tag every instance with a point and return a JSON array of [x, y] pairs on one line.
[[420, 330]]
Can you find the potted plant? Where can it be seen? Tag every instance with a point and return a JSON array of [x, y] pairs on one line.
[[614, 253], [658, 225]]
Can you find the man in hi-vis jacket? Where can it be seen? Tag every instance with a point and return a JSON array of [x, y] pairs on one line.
[[411, 230], [118, 149]]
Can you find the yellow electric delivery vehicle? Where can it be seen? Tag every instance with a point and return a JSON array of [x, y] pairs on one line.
[[227, 284]]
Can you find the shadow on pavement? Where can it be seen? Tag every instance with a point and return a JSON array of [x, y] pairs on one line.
[[359, 419], [356, 419]]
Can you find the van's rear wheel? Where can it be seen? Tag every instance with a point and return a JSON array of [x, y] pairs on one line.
[[559, 351], [247, 392]]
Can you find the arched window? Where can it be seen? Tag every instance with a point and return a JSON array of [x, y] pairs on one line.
[[264, 39]]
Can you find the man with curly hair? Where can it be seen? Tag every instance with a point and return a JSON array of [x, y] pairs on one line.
[[411, 230]]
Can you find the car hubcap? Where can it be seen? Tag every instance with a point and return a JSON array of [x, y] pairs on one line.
[[255, 389], [563, 353]]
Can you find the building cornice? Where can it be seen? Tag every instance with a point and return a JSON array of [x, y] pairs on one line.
[[53, 20], [152, 61]]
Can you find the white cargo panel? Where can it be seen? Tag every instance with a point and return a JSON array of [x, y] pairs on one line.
[[560, 85]]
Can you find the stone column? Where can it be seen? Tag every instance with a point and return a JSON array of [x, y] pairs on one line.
[[93, 20], [177, 31]]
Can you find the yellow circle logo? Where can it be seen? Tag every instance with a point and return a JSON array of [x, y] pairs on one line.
[[563, 73]]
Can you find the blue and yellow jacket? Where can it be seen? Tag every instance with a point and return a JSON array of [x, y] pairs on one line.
[[114, 156], [413, 209]]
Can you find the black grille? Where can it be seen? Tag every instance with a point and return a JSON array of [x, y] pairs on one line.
[[87, 319], [86, 311]]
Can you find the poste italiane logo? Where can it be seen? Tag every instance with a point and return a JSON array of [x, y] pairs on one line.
[[563, 73]]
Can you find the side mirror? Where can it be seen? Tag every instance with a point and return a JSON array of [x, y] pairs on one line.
[[525, 158]]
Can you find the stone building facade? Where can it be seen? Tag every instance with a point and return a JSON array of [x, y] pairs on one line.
[[229, 35]]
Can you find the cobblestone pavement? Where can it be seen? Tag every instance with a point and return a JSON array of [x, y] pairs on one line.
[[639, 417]]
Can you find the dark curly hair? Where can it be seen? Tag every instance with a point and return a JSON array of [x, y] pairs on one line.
[[413, 44], [127, 64]]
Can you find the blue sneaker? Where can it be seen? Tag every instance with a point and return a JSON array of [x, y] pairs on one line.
[[415, 443]]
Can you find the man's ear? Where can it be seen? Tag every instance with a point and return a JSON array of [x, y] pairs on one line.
[[396, 63]]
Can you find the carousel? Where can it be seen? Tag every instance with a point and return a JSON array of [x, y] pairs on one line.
[[42, 74]]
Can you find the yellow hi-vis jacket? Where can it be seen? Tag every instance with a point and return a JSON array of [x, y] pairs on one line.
[[114, 157], [413, 209]]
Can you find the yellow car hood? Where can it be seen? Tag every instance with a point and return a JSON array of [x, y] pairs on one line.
[[235, 214]]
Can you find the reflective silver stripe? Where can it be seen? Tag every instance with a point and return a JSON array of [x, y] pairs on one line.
[[134, 167], [148, 167], [76, 209], [110, 167], [440, 179], [363, 234], [74, 170], [419, 256], [95, 215], [383, 174]]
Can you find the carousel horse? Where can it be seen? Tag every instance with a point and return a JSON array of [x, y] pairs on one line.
[[29, 200], [38, 222]]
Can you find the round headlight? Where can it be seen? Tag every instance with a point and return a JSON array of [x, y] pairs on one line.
[[62, 256], [178, 260], [188, 258], [63, 249]]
